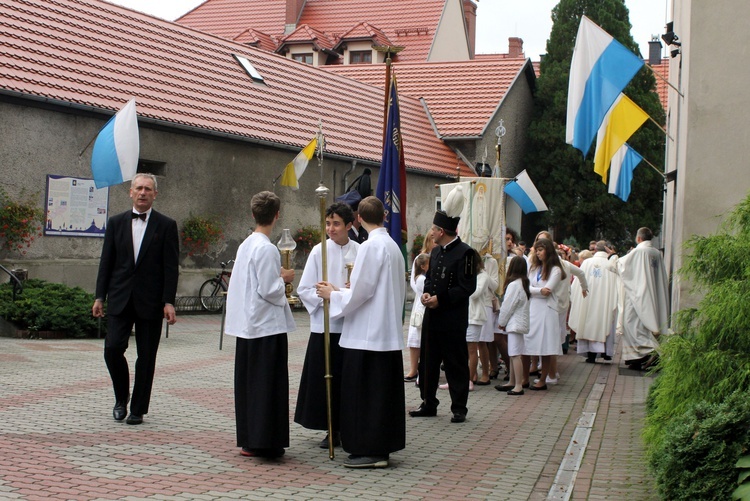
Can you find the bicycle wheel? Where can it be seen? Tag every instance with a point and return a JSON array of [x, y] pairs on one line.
[[210, 294]]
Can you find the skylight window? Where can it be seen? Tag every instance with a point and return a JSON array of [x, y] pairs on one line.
[[249, 68]]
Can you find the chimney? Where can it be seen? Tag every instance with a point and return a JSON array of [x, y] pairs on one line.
[[293, 11], [470, 17], [654, 51], [515, 47]]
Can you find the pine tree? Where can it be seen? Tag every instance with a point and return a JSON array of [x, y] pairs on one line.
[[578, 200]]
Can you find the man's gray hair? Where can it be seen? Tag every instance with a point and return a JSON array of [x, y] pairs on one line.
[[601, 246], [146, 175], [645, 233]]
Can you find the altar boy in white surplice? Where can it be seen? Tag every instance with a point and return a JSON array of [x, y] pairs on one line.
[[311, 411], [373, 414]]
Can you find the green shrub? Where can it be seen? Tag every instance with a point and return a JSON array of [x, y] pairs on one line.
[[705, 362], [697, 456], [45, 306]]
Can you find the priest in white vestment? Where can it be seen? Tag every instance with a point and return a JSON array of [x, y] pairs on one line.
[[644, 313], [595, 315], [373, 412]]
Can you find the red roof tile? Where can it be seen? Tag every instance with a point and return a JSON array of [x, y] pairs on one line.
[[462, 96], [409, 23], [98, 55]]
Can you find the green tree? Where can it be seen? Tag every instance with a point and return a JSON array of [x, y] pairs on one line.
[[578, 200]]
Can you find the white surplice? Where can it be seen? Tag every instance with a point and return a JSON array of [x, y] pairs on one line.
[[645, 301], [374, 303], [313, 273], [593, 318], [256, 301]]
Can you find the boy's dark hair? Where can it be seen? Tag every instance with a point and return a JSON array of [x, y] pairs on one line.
[[342, 210], [372, 211], [265, 205]]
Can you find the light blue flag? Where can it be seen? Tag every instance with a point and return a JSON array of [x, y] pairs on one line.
[[115, 156], [600, 69], [624, 162], [525, 194]]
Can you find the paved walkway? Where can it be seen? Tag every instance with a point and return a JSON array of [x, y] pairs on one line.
[[58, 439]]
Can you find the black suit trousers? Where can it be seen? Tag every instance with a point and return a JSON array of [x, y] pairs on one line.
[[450, 348], [147, 336]]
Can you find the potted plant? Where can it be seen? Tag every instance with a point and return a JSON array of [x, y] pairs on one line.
[[20, 223], [201, 234]]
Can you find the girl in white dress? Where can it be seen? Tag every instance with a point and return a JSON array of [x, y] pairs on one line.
[[543, 338], [414, 339], [513, 319]]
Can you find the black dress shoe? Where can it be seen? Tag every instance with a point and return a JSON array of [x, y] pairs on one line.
[[482, 383], [458, 417], [539, 388], [119, 412], [134, 419], [504, 387], [336, 441], [423, 411]]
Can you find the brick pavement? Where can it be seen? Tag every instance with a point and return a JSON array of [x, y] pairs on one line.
[[58, 439]]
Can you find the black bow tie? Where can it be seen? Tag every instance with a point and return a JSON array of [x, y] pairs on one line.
[[142, 217]]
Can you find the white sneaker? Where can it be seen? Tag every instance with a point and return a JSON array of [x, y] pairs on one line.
[[443, 386], [551, 380]]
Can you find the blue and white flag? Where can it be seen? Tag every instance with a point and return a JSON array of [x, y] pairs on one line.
[[525, 194], [600, 69], [624, 162], [391, 188], [115, 156]]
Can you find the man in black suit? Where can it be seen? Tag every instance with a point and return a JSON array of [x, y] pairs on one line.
[[450, 282], [138, 278]]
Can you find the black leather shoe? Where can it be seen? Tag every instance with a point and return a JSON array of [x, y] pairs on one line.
[[336, 441], [119, 412], [458, 417], [423, 411], [134, 419]]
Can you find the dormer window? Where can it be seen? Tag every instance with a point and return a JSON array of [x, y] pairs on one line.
[[360, 57], [305, 57]]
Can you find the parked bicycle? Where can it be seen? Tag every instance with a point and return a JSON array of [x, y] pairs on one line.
[[212, 291]]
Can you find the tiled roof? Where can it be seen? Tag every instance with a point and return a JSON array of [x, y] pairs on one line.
[[97, 56], [363, 31], [410, 23], [257, 39], [307, 34], [662, 89], [229, 18], [462, 96]]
